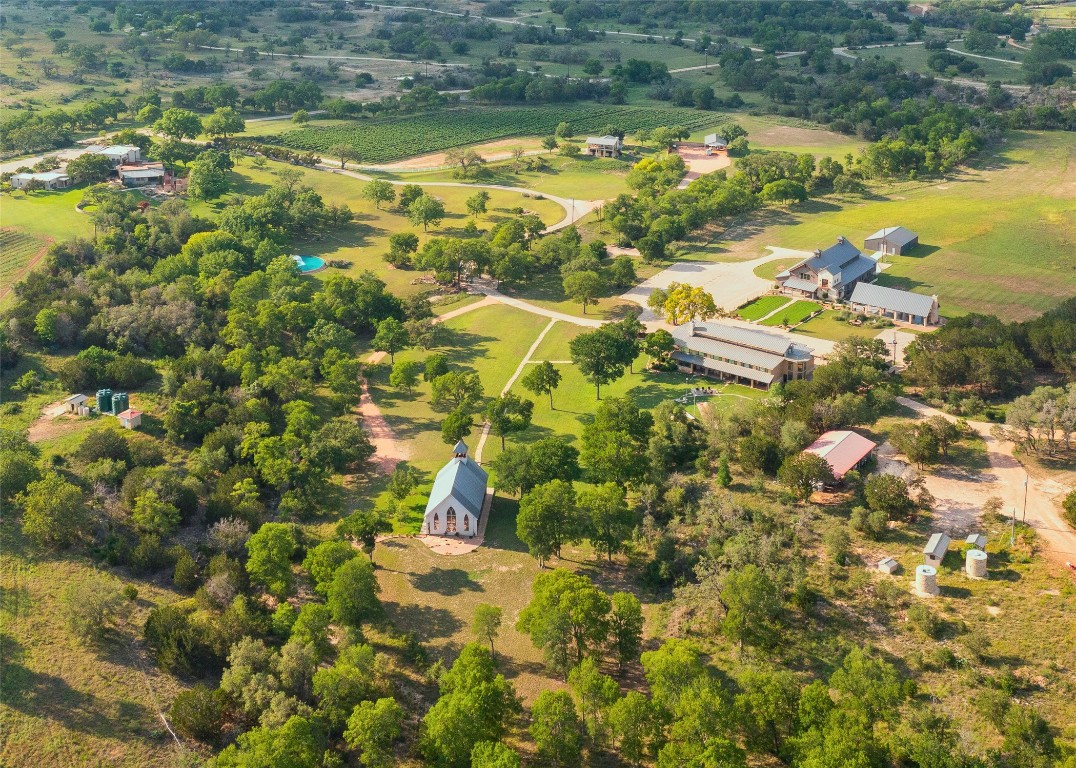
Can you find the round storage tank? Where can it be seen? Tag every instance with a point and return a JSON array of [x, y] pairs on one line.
[[926, 580], [975, 564], [120, 402], [104, 400]]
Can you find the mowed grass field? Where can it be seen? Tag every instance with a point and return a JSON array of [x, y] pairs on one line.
[[792, 314], [762, 306], [999, 237]]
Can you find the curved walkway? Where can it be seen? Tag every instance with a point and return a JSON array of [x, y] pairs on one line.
[[573, 209], [1007, 479]]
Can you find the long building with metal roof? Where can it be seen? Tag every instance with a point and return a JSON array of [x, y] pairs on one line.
[[902, 306], [743, 355]]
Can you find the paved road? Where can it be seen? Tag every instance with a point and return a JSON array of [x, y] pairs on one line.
[[1057, 538]]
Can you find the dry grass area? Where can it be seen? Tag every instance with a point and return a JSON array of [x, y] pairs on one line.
[[435, 595]]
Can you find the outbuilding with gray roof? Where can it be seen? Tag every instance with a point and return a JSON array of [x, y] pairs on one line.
[[902, 306]]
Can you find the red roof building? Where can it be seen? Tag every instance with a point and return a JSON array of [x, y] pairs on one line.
[[843, 450]]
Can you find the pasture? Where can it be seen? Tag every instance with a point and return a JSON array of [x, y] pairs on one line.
[[996, 237]]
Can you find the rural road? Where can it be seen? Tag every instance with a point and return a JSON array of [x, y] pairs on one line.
[[1057, 538]]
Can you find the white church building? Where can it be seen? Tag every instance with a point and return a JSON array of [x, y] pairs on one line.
[[458, 494]]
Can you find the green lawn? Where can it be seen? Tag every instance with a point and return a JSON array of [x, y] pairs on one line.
[[762, 306], [769, 270], [47, 215], [827, 326], [796, 313]]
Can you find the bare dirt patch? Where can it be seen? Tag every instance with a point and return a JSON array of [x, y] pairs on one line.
[[699, 163], [53, 422]]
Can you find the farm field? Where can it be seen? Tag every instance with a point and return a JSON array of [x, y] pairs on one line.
[[18, 251], [792, 314], [983, 232], [382, 140]]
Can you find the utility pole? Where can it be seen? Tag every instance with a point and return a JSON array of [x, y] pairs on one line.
[[1023, 516], [1012, 534]]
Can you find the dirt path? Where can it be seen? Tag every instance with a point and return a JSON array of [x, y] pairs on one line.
[[1007, 479], [388, 450]]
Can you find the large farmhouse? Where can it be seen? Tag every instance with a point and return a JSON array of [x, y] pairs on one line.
[[902, 306], [47, 179], [831, 273], [743, 355], [457, 498], [605, 146]]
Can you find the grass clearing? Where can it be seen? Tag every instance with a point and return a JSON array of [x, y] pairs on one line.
[[762, 306], [827, 326], [65, 702], [364, 241], [791, 315]]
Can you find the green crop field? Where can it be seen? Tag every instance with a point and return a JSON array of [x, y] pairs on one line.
[[762, 306], [795, 313], [17, 251], [386, 139]]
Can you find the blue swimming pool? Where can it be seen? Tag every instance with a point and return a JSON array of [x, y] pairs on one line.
[[309, 264]]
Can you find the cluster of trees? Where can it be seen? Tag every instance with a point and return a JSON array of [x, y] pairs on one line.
[[1042, 421], [23, 132], [660, 214], [981, 353]]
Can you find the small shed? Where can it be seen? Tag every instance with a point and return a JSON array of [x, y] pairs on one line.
[[891, 241], [888, 565], [72, 403], [934, 551], [713, 143], [976, 541], [130, 419]]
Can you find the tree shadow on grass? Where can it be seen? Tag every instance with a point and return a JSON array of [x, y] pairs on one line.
[[446, 581], [426, 621], [39, 694], [501, 526]]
